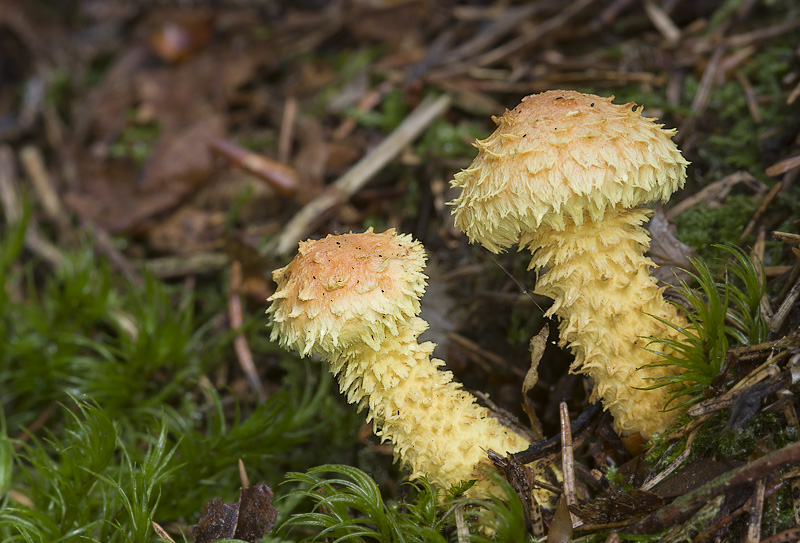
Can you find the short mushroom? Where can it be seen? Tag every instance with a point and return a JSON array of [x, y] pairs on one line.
[[564, 174], [354, 299]]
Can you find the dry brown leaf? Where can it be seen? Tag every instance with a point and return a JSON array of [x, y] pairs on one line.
[[667, 251], [252, 517]]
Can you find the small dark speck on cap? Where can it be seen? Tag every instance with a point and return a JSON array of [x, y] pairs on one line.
[[591, 105], [560, 98]]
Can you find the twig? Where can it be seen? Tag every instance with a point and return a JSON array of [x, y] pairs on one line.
[[675, 464], [367, 103], [756, 511], [541, 30], [706, 534], [762, 208], [182, 265], [750, 96], [287, 130], [510, 18], [541, 449], [494, 358], [104, 245], [283, 179], [783, 166], [12, 208], [243, 475], [343, 188], [160, 531], [243, 353], [567, 460], [707, 81], [32, 161], [662, 22], [793, 95], [34, 427], [787, 536], [718, 189], [785, 308], [683, 507], [766, 33], [786, 237]]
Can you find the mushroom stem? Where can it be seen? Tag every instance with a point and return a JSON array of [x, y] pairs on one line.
[[354, 299], [435, 426], [608, 330]]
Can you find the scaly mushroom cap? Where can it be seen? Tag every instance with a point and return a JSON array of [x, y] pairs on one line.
[[560, 154], [347, 288]]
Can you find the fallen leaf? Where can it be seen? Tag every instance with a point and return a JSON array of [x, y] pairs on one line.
[[667, 251], [249, 519], [635, 504]]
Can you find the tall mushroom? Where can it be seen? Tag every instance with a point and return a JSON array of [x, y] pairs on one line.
[[564, 174], [354, 299]]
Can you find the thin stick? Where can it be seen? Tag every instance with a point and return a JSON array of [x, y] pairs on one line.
[[104, 245], [243, 353], [756, 511], [567, 460], [761, 210], [12, 208], [786, 306], [161, 532], [33, 163], [287, 130], [719, 189], [343, 188], [675, 464], [243, 474], [783, 166], [541, 30]]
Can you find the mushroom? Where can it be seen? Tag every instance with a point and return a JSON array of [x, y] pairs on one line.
[[354, 300], [564, 175]]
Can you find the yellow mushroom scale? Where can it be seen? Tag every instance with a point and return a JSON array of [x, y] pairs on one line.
[[564, 174], [354, 300]]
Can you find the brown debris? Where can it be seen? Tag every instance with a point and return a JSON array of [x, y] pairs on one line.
[[249, 519]]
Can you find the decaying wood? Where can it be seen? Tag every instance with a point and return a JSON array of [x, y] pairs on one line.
[[567, 459], [523, 481], [684, 507]]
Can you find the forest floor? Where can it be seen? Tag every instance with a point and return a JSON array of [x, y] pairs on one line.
[[159, 159]]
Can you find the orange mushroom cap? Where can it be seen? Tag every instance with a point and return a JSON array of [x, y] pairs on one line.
[[347, 288], [563, 154]]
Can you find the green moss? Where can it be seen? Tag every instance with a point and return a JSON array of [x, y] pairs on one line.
[[392, 111], [443, 139], [704, 226], [136, 142]]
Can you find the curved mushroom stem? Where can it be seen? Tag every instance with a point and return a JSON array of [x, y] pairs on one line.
[[435, 426], [606, 299]]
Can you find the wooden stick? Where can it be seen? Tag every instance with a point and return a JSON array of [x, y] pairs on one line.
[[567, 460], [243, 353], [343, 188]]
